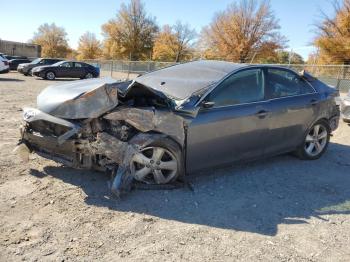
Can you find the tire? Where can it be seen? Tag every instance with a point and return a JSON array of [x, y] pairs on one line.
[[89, 76], [315, 144], [153, 167], [50, 75]]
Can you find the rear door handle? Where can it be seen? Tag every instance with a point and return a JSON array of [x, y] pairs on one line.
[[262, 114], [313, 102]]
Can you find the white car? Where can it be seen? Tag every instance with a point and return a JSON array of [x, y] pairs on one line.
[[4, 64]]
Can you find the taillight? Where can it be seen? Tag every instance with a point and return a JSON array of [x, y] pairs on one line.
[[6, 62]]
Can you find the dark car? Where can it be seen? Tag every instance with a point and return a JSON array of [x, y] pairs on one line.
[[10, 57], [181, 119], [68, 69], [27, 68], [15, 62]]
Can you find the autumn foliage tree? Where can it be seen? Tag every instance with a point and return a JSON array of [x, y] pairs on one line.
[[53, 41], [130, 34], [174, 43], [245, 30], [333, 39], [89, 47]]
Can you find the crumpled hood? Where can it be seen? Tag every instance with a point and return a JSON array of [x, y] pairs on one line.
[[80, 99]]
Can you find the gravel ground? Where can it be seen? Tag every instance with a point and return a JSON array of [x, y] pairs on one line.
[[278, 209]]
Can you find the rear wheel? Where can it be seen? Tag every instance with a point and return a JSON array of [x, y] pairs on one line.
[[315, 142], [88, 76], [50, 75], [159, 163]]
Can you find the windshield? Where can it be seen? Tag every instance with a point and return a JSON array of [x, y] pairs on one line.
[[35, 61]]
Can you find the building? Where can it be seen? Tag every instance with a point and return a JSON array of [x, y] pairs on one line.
[[19, 49]]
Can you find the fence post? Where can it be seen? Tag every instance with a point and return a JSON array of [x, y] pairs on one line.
[[341, 68], [112, 68]]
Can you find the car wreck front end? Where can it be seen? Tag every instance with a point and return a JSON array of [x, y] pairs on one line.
[[99, 124]]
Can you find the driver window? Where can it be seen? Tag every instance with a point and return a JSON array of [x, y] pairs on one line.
[[242, 87], [66, 64], [283, 83]]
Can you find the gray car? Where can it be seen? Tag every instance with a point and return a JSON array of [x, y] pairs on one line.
[[181, 119], [27, 68]]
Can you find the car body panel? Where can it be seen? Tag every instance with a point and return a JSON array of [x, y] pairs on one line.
[[218, 136], [81, 99]]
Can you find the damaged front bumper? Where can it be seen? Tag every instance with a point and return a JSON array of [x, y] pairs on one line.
[[55, 146], [83, 145]]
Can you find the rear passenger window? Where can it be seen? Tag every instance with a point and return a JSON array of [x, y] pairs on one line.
[[283, 83], [242, 87]]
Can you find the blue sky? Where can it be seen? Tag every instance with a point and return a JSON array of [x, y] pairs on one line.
[[20, 19]]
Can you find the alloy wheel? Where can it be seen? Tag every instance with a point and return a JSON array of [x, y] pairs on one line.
[[316, 140], [88, 76], [154, 165], [50, 75]]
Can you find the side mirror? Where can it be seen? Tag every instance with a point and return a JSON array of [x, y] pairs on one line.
[[207, 104]]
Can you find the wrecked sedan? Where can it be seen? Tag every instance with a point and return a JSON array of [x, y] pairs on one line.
[[181, 119]]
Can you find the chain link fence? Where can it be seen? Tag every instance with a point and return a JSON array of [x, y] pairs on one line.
[[127, 69], [337, 76]]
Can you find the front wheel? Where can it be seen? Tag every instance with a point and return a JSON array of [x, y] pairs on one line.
[[315, 142], [159, 163], [50, 75]]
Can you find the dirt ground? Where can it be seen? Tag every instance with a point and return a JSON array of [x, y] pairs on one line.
[[278, 209]]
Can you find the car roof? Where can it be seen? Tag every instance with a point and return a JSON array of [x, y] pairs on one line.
[[182, 80]]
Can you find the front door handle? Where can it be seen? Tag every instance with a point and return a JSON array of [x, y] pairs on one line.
[[262, 114]]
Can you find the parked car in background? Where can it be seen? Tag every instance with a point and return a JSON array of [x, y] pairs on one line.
[[10, 57], [13, 63], [27, 68], [70, 69], [345, 108], [4, 64], [182, 119]]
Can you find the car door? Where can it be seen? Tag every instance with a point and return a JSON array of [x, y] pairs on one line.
[[79, 70], [292, 107], [234, 127], [64, 70]]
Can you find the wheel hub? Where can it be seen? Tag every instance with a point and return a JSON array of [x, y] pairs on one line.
[[316, 140], [154, 165]]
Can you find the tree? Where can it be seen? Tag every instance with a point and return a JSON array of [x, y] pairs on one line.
[[282, 57], [243, 31], [333, 35], [53, 40], [130, 34], [89, 46], [174, 43]]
